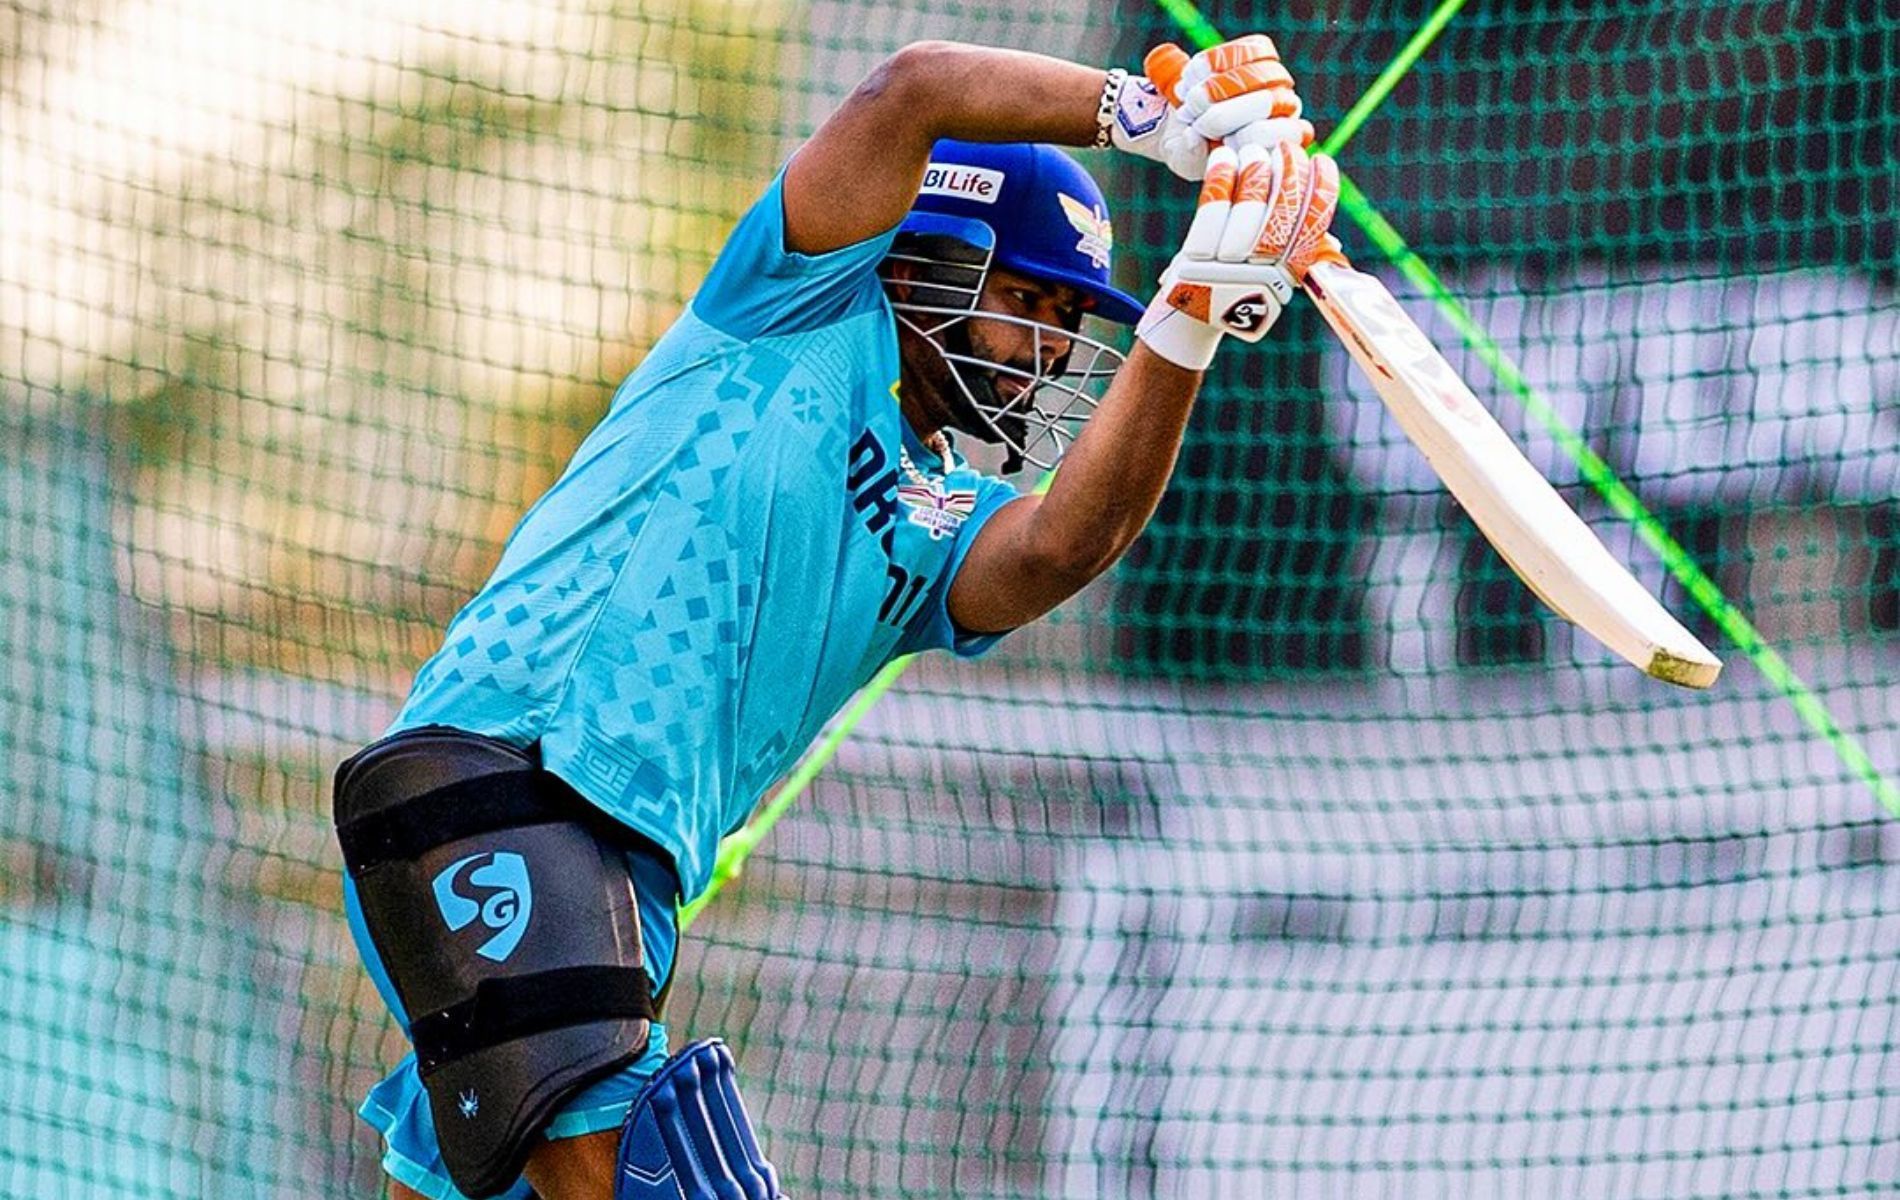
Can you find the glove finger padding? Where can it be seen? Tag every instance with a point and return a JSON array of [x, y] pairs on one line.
[[1300, 212], [1236, 52], [1267, 75], [1163, 66], [1235, 63], [1254, 187], [1223, 89], [1273, 209], [1277, 109], [1187, 104], [1214, 206]]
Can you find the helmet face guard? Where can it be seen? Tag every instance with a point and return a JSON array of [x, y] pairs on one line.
[[1033, 412], [1032, 210]]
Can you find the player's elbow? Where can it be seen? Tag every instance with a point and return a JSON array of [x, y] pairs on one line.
[[1034, 583], [910, 81], [1021, 567], [1068, 565], [920, 60]]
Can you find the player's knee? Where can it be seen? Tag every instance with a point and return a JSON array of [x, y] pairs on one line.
[[687, 1135]]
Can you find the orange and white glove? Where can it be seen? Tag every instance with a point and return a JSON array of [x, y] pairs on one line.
[[1237, 92], [1262, 221]]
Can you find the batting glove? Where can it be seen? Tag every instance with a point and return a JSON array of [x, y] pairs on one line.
[[1237, 92], [1262, 221]]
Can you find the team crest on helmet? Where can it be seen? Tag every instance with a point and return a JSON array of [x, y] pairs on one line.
[[1098, 237]]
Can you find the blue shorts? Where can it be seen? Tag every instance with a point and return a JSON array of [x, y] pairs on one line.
[[398, 1107]]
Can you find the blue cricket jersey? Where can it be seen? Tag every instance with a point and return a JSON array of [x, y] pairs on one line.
[[750, 533]]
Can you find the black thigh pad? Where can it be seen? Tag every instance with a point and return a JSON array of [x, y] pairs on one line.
[[506, 923]]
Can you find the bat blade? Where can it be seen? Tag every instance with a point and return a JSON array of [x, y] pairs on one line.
[[1542, 538]]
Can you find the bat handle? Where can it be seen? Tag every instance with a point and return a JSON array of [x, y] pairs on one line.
[[1330, 251]]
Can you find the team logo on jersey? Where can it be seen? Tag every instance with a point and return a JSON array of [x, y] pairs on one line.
[[940, 510], [1097, 235], [980, 184], [493, 887]]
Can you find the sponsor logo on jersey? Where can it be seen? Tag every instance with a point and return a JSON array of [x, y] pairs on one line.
[[1098, 237], [940, 510], [980, 184], [493, 887]]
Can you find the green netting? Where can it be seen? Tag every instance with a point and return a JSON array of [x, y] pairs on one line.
[[1303, 856]]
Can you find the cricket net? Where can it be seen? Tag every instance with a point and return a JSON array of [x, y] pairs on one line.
[[1303, 856]]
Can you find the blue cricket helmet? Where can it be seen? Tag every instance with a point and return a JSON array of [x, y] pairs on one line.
[[1033, 207]]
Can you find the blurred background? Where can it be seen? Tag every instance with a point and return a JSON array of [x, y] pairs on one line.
[[1305, 855]]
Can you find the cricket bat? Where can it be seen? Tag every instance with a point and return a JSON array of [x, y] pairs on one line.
[[1520, 514]]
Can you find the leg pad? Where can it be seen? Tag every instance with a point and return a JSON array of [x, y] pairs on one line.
[[687, 1135]]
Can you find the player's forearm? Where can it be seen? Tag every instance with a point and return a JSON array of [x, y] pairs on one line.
[[985, 94], [1113, 476], [1040, 550]]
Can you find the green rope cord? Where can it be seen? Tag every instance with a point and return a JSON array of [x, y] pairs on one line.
[[1196, 27], [738, 844], [1389, 78]]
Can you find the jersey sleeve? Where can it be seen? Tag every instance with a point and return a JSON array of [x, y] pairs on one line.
[[758, 288], [932, 628]]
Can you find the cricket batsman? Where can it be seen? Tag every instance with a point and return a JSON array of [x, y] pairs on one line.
[[772, 509]]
